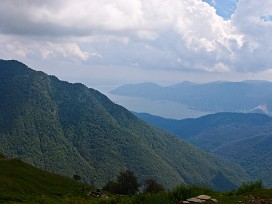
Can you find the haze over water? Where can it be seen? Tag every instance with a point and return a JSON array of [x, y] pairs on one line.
[[165, 109]]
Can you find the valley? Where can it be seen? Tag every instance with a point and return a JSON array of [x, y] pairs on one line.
[[242, 138], [135, 102], [163, 108], [72, 129]]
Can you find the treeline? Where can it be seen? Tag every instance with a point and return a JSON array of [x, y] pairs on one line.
[[127, 189], [127, 184], [23, 183]]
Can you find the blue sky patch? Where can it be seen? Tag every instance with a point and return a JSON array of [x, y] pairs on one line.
[[224, 8], [267, 18]]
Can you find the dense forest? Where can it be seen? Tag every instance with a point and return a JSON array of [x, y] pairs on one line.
[[71, 129], [243, 138]]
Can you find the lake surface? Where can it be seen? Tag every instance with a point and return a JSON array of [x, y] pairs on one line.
[[160, 108]]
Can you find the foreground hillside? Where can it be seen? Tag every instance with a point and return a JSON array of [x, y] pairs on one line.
[[246, 96], [71, 129], [23, 183], [245, 139]]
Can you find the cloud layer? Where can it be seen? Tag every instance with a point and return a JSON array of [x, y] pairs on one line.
[[156, 34]]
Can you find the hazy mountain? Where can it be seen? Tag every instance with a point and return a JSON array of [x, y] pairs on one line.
[[243, 138], [71, 129], [220, 96]]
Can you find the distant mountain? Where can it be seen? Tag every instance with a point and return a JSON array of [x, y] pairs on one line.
[[71, 129], [242, 138], [220, 96]]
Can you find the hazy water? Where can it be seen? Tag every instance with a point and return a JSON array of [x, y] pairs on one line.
[[161, 108]]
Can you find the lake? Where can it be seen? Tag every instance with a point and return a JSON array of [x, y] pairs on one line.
[[160, 108]]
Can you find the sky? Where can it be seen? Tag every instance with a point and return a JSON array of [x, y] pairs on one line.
[[108, 43]]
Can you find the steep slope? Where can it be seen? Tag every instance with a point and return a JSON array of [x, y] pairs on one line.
[[249, 96], [23, 183], [71, 129], [254, 154], [245, 139]]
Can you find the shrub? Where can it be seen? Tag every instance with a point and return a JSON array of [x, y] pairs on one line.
[[184, 192], [112, 187], [249, 187], [76, 177], [151, 186], [126, 184]]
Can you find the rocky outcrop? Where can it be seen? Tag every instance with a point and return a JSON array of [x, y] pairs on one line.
[[200, 199], [98, 194]]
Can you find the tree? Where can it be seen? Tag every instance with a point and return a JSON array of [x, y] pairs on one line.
[[151, 186], [112, 187], [126, 184], [76, 177]]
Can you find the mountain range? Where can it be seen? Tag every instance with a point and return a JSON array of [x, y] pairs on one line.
[[247, 96], [243, 138], [72, 129]]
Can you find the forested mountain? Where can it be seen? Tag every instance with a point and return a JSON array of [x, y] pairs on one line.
[[71, 129], [246, 96], [245, 139]]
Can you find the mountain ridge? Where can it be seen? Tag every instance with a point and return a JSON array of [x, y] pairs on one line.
[[243, 138], [72, 129], [245, 96]]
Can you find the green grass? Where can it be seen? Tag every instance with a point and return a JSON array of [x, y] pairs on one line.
[[184, 192], [249, 187], [23, 183], [246, 196], [168, 198]]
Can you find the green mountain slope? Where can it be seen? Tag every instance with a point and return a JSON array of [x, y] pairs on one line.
[[245, 139], [21, 182], [71, 129]]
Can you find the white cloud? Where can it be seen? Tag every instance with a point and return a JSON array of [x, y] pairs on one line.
[[19, 50], [256, 51], [66, 50], [24, 48], [155, 34], [12, 48]]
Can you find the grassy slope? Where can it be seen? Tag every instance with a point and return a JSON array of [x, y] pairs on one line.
[[21, 182], [181, 193]]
